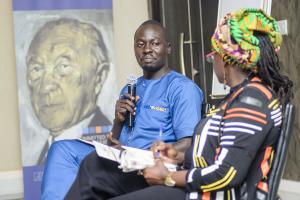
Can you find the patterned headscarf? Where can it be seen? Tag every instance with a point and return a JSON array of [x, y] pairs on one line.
[[235, 41]]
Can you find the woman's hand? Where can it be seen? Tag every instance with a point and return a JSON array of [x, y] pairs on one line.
[[166, 152], [156, 175]]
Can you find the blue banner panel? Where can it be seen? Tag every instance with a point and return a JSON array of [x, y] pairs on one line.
[[33, 177], [61, 4], [83, 25]]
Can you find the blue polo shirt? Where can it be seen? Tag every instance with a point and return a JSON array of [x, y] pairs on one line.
[[173, 102]]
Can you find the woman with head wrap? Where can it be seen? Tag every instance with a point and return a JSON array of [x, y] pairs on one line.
[[233, 146]]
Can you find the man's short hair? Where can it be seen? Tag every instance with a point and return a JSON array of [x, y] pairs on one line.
[[154, 22], [94, 35]]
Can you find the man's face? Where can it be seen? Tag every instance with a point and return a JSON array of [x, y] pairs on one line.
[[150, 47], [61, 74]]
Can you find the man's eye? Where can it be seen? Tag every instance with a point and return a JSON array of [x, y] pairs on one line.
[[155, 43], [140, 44], [35, 71], [63, 68], [35, 68]]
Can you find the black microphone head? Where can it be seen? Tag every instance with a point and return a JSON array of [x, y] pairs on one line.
[[131, 83]]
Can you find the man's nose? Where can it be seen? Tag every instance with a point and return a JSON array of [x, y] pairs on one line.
[[48, 83], [147, 48]]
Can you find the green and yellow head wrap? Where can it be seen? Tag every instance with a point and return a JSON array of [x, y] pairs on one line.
[[234, 37]]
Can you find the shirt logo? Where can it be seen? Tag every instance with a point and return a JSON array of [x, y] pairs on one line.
[[157, 108]]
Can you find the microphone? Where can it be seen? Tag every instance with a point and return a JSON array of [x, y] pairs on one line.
[[131, 84]]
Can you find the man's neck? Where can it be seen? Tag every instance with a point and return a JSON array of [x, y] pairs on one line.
[[157, 74]]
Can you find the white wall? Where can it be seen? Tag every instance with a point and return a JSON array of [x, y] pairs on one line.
[[128, 15], [10, 151]]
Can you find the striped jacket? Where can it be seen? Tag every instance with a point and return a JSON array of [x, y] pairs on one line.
[[233, 146]]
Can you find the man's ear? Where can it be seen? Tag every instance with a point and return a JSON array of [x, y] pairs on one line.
[[169, 48], [102, 73]]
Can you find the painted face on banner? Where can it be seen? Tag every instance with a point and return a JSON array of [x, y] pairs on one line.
[[63, 77]]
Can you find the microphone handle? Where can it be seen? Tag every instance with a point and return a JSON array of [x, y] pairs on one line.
[[132, 92]]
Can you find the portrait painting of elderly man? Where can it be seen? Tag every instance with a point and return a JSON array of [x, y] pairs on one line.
[[66, 81], [66, 68]]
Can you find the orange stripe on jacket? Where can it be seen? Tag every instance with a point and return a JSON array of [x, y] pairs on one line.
[[246, 110], [256, 79], [224, 106], [262, 88], [237, 93], [263, 186], [265, 167], [233, 97], [247, 117], [206, 196]]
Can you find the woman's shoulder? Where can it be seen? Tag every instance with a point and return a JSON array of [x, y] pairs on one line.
[[261, 89], [257, 94]]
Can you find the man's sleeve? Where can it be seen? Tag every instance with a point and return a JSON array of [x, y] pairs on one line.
[[186, 104]]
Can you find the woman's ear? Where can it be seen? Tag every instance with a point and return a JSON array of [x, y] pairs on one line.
[[225, 76]]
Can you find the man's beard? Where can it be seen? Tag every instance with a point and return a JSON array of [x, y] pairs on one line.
[[151, 69]]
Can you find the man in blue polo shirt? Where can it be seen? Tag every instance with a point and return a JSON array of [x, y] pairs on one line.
[[165, 100], [171, 103]]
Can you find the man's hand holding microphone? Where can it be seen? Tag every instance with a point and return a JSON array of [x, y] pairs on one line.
[[125, 111]]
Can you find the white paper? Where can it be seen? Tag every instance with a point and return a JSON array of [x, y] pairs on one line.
[[107, 152], [130, 159]]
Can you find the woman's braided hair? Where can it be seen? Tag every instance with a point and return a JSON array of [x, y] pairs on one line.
[[269, 70], [248, 38]]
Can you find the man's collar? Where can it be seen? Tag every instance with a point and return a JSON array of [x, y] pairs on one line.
[[75, 131]]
